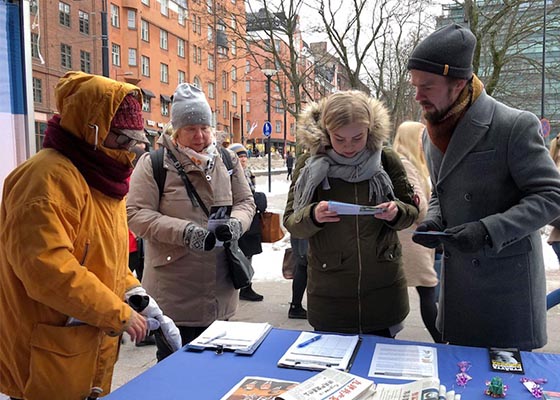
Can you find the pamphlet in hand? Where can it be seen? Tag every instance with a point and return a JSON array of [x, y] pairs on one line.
[[320, 351], [354, 209], [218, 216], [505, 360], [399, 361], [240, 337], [331, 384], [432, 233], [254, 387]]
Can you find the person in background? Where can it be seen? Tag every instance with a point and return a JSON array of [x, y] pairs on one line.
[[64, 277], [553, 298], [355, 282], [250, 242], [418, 261], [289, 164], [494, 186], [299, 281], [183, 269]]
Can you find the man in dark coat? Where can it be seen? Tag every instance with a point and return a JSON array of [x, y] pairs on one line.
[[289, 164], [494, 186]]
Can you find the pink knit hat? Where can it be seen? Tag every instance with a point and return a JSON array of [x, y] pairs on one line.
[[129, 115]]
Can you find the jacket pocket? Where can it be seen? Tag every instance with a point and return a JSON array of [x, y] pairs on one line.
[[62, 361]]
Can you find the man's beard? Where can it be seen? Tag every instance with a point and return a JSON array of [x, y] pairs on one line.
[[436, 116]]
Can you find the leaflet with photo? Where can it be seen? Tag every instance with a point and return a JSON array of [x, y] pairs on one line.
[[425, 389], [256, 387], [505, 360], [354, 209]]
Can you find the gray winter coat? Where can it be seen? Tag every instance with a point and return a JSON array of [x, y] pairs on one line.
[[497, 170], [192, 287]]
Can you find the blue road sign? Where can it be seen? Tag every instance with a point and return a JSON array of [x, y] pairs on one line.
[[267, 129]]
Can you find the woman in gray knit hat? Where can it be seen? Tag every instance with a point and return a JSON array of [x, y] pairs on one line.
[[184, 268]]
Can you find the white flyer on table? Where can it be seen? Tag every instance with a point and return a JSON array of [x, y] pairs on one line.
[[398, 361]]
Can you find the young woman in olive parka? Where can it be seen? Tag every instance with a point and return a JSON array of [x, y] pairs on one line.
[[356, 282]]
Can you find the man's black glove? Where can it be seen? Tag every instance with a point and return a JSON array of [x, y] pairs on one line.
[[428, 241], [231, 230], [469, 237]]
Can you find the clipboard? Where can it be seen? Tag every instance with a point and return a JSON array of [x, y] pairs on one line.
[[330, 351]]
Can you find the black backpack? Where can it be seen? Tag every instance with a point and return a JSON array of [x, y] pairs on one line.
[[160, 173]]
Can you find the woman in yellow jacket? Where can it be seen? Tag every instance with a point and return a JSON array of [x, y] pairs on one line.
[[64, 247]]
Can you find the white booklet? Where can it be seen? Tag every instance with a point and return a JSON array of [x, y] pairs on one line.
[[241, 337], [320, 351], [400, 361], [354, 209], [428, 388], [331, 384]]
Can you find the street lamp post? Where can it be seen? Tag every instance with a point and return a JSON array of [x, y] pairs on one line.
[[543, 59], [269, 73], [104, 40]]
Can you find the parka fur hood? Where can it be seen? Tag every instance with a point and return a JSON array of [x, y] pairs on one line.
[[314, 136]]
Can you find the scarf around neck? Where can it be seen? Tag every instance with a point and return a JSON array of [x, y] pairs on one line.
[[204, 160], [100, 171], [366, 165]]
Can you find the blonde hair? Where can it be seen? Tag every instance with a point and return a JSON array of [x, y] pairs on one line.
[[554, 150], [408, 143], [345, 108]]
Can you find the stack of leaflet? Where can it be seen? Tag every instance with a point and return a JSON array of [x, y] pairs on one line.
[[240, 337]]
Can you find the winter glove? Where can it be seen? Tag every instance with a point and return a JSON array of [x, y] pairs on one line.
[[143, 303], [469, 237], [198, 238], [428, 241], [231, 230]]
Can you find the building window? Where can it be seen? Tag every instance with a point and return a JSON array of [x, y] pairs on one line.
[[247, 86], [37, 90], [248, 106], [163, 39], [116, 54], [233, 22], [164, 107], [115, 20], [196, 82], [84, 22], [247, 66], [146, 2], [85, 61], [224, 80], [234, 99], [210, 90], [182, 16], [132, 59], [292, 128], [180, 77], [210, 34], [146, 103], [278, 126], [131, 19], [199, 52], [278, 107], [210, 62], [225, 109], [181, 47], [209, 6], [145, 31], [164, 73], [145, 66], [234, 73], [34, 45], [194, 23], [65, 56], [164, 7], [64, 13], [233, 47], [40, 128]]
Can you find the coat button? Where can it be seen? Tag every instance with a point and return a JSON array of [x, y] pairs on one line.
[[391, 256], [447, 254], [324, 266], [468, 197], [476, 262], [168, 258]]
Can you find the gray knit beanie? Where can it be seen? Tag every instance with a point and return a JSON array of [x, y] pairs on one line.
[[448, 51], [190, 107]]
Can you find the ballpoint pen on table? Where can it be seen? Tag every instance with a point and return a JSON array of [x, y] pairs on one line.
[[218, 336], [309, 341]]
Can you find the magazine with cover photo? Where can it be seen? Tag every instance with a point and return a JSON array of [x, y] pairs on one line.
[[505, 360]]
